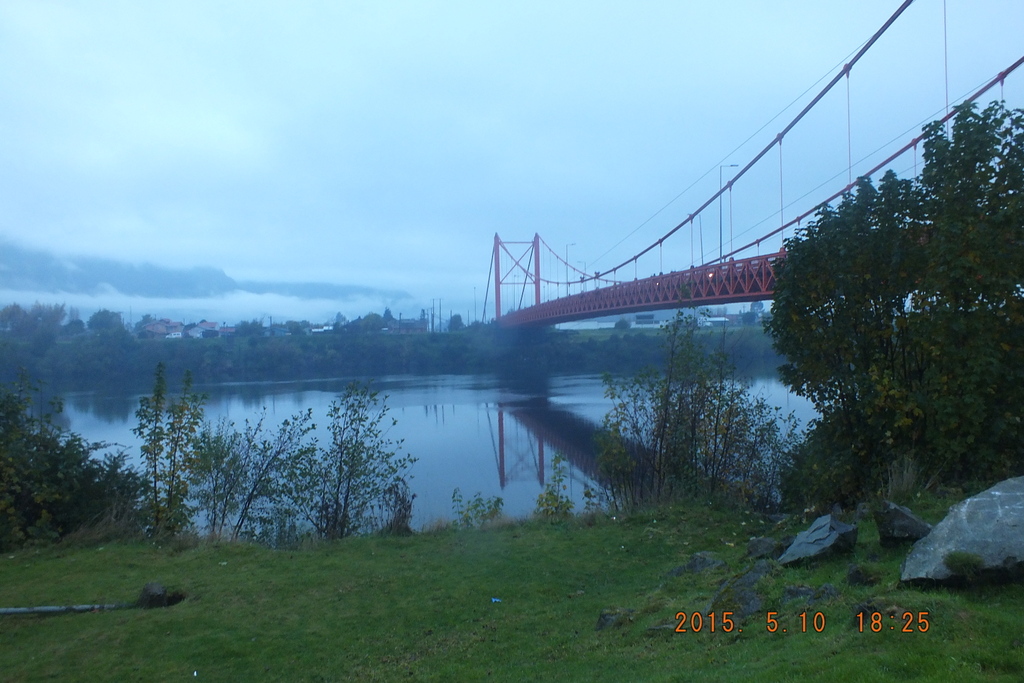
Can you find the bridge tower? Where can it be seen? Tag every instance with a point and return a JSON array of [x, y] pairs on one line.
[[530, 272]]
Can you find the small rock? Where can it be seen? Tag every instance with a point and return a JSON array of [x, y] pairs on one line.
[[760, 569], [764, 546], [858, 576], [824, 594], [866, 608], [698, 563], [616, 617], [826, 534], [810, 595], [791, 593], [737, 594], [153, 595], [863, 510], [875, 605], [897, 524]]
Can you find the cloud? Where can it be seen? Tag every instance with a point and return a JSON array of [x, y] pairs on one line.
[[90, 283]]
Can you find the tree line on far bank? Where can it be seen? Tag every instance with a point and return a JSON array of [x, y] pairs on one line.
[[109, 356]]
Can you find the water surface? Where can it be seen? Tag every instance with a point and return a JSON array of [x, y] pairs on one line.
[[474, 433]]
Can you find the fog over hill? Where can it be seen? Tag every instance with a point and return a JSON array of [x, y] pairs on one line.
[[89, 283]]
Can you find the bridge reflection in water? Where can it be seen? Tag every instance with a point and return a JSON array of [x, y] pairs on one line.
[[531, 431]]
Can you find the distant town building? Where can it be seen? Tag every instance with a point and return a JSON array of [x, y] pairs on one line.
[[417, 326], [162, 329]]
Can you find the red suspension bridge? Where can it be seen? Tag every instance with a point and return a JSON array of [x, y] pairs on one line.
[[733, 277]]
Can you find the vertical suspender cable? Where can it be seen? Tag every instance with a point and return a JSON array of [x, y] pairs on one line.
[[700, 220], [782, 201], [526, 277], [945, 61], [730, 215], [849, 134]]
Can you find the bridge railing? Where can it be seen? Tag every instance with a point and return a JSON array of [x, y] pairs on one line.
[[741, 280]]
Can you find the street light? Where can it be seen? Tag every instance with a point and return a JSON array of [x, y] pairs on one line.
[[721, 241], [567, 267]]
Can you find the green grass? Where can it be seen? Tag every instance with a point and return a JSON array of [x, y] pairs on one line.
[[420, 608]]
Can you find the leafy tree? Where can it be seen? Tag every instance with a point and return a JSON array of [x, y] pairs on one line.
[[237, 478], [622, 324], [105, 321], [371, 323], [335, 488], [49, 482], [553, 501], [73, 328], [215, 480], [249, 328], [901, 312], [455, 323], [169, 434], [476, 511], [39, 325], [691, 430]]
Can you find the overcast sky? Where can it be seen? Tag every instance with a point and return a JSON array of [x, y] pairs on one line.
[[385, 143]]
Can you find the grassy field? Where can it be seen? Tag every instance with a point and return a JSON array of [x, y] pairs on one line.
[[423, 608]]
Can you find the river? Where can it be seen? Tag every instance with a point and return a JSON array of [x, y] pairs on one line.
[[474, 433]]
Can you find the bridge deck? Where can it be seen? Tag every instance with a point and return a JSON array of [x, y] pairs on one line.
[[742, 280]]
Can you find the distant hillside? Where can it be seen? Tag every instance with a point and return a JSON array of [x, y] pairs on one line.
[[31, 270]]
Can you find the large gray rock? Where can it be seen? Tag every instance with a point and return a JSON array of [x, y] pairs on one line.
[[826, 534], [989, 525], [897, 524]]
